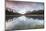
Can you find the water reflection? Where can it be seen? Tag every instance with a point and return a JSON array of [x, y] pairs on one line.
[[24, 22], [36, 17]]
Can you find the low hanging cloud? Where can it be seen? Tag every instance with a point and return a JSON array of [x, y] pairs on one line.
[[23, 7]]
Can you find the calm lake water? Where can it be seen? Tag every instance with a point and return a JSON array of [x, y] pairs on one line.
[[24, 22]]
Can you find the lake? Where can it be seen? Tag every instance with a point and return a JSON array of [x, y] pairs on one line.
[[24, 22]]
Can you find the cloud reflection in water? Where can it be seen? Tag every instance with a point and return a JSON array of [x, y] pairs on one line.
[[24, 22]]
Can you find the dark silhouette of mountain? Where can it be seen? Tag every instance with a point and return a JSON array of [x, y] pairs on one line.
[[11, 12], [36, 12]]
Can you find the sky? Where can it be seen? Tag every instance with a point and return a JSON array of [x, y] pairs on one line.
[[23, 7]]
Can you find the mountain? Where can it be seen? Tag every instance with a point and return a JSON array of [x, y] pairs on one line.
[[11, 12], [36, 12]]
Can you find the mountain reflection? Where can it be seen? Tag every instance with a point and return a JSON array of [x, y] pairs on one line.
[[23, 22]]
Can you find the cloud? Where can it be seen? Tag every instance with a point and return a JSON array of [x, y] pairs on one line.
[[23, 7]]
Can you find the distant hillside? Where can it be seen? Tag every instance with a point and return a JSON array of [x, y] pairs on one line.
[[36, 12], [10, 12]]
